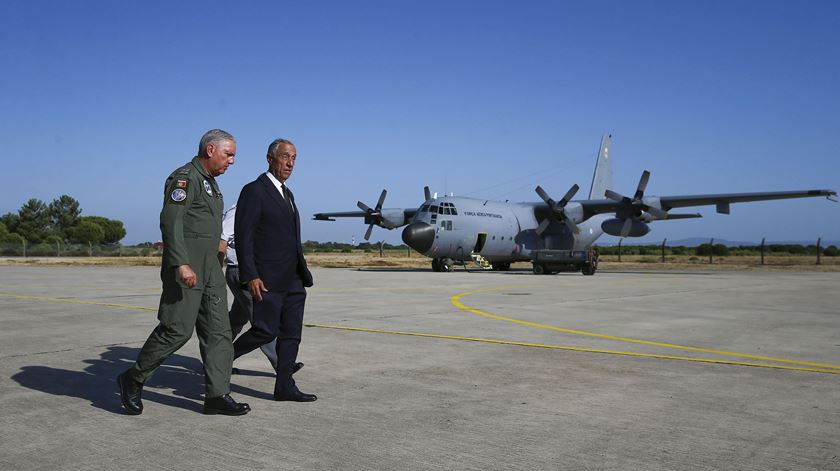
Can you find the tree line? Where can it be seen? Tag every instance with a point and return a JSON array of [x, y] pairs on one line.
[[721, 250], [60, 221]]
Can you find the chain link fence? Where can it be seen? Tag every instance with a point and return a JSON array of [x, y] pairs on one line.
[[76, 250]]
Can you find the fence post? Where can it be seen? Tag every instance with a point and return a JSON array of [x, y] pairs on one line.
[[619, 249], [57, 248], [762, 250], [381, 249], [24, 248], [819, 239], [663, 249], [90, 249], [711, 249]]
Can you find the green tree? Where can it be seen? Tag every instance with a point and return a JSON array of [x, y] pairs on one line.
[[64, 214], [87, 231], [112, 228], [831, 251], [34, 220], [11, 221], [3, 231]]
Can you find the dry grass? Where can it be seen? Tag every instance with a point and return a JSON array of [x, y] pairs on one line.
[[400, 260]]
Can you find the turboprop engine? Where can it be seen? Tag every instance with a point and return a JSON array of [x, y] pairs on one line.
[[625, 227]]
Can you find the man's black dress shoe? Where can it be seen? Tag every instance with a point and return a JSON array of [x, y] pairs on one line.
[[225, 405], [294, 395], [130, 392]]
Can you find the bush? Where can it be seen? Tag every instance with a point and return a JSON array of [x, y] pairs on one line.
[[831, 251]]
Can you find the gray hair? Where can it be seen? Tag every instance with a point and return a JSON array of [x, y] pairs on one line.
[[211, 137], [272, 148]]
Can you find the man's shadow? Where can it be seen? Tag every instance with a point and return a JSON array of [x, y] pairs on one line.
[[97, 382]]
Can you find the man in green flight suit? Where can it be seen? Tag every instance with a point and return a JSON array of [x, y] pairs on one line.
[[194, 289]]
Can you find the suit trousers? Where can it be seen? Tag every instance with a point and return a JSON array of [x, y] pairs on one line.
[[242, 312], [278, 316]]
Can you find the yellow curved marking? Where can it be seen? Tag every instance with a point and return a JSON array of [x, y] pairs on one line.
[[576, 349], [456, 301], [471, 339]]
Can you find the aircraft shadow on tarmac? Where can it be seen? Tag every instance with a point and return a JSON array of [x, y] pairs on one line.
[[97, 382]]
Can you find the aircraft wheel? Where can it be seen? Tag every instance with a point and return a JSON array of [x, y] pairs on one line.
[[446, 264], [435, 264], [501, 266], [539, 269]]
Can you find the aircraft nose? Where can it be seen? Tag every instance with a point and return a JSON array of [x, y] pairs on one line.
[[419, 236]]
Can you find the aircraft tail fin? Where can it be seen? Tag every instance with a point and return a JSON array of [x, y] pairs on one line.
[[602, 179]]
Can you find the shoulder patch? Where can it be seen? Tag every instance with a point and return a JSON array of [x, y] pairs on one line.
[[181, 183], [178, 195]]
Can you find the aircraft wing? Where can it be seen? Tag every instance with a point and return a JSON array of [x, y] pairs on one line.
[[721, 200], [407, 214], [345, 214]]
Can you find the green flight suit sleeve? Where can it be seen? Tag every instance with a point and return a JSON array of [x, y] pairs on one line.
[[179, 194]]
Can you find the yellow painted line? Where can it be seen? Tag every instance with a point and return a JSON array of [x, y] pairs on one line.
[[576, 349], [454, 337], [456, 301], [76, 301]]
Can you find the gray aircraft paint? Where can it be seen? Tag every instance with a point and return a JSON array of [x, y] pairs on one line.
[[510, 229]]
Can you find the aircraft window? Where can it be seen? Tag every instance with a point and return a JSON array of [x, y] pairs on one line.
[[494, 237], [454, 211], [447, 211], [433, 209], [448, 225], [440, 210]]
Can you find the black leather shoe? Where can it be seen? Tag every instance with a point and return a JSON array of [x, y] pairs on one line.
[[297, 366], [294, 395], [225, 405], [130, 392]]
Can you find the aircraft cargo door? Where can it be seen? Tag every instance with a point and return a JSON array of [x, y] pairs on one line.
[[480, 241]]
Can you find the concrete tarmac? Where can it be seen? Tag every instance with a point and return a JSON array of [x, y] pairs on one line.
[[462, 370]]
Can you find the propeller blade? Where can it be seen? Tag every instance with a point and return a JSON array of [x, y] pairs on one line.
[[569, 195], [381, 200], [544, 196], [427, 193], [364, 207], [640, 190], [543, 226], [614, 196], [369, 230], [625, 229]]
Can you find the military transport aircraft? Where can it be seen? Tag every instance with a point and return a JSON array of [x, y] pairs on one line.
[[555, 235]]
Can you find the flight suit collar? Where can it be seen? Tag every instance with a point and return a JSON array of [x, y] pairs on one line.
[[196, 161]]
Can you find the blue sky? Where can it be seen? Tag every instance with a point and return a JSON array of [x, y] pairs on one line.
[[101, 100]]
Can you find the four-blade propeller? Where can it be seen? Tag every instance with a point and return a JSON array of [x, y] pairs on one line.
[[632, 208], [557, 209], [373, 216]]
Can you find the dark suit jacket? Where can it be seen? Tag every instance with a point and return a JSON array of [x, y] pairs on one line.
[[267, 236]]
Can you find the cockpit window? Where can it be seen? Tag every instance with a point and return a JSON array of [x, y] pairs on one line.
[[446, 211], [433, 209]]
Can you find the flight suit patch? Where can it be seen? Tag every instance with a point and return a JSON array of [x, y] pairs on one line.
[[208, 188], [178, 196]]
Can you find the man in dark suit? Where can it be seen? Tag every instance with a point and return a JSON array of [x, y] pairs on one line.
[[271, 263]]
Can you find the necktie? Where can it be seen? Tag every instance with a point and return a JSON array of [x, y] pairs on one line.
[[287, 195]]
